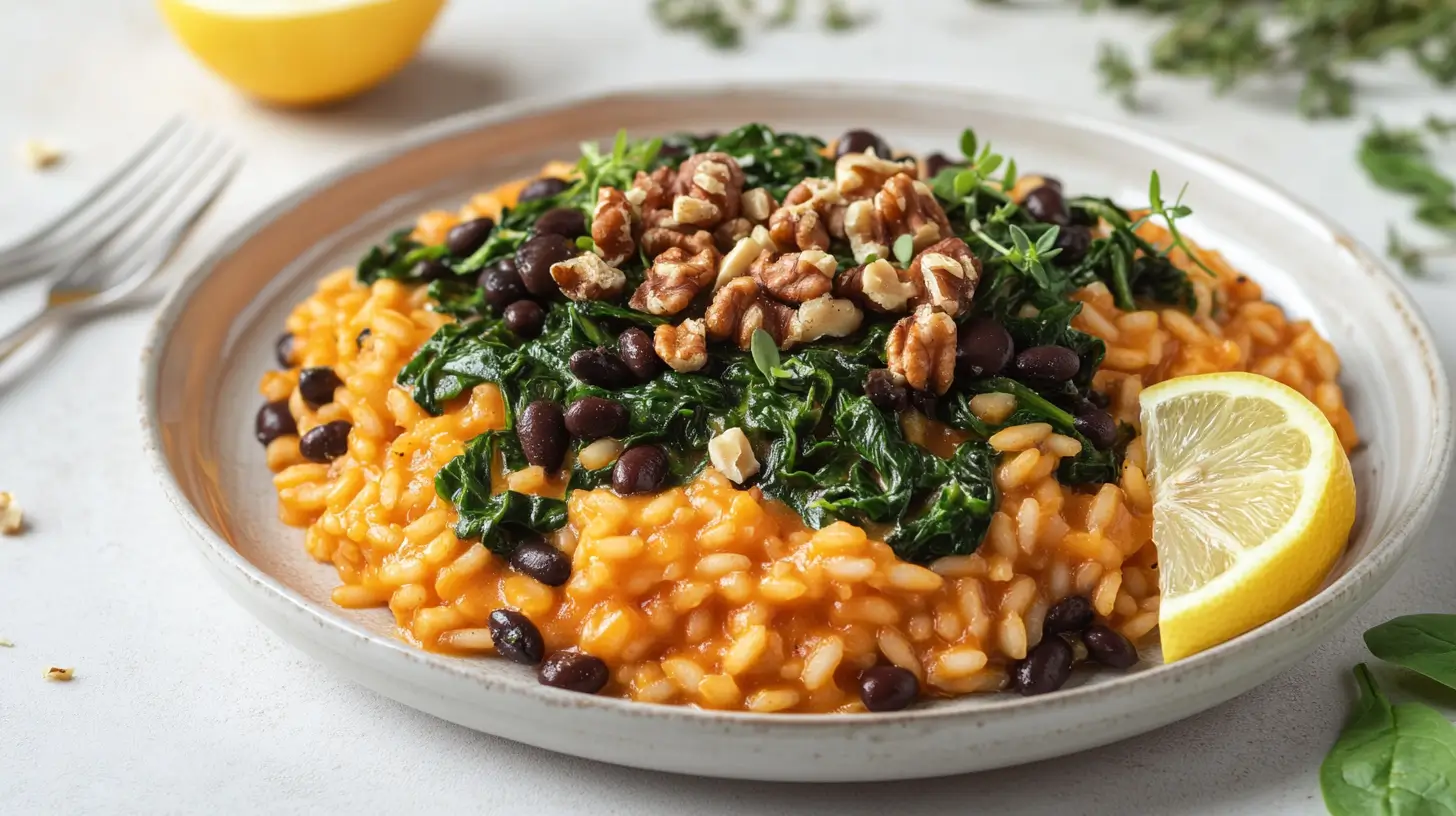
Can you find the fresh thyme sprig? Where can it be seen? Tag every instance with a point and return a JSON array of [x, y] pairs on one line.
[[721, 23], [1399, 160], [1170, 216], [1119, 78], [1025, 254]]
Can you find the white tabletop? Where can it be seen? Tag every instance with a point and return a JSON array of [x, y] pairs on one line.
[[182, 703]]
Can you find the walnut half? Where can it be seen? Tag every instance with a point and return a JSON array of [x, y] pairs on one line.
[[588, 277], [740, 307], [611, 226], [922, 349], [908, 207], [795, 277], [877, 286], [673, 280], [945, 276], [684, 347]]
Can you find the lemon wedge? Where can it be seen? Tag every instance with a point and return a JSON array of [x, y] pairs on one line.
[[301, 52], [1253, 500]]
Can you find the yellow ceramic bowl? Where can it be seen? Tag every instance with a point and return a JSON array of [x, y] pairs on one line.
[[302, 52]]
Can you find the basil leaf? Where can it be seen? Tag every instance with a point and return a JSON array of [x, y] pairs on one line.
[[1390, 759], [765, 353], [1423, 643]]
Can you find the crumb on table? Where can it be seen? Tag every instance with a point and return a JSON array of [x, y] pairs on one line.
[[58, 674], [39, 155]]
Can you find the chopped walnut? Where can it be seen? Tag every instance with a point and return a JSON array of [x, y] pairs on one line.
[[661, 233], [945, 276], [38, 155], [758, 205], [738, 260], [865, 231], [684, 347], [922, 350], [740, 307], [58, 674], [714, 179], [877, 286], [652, 191], [803, 220], [859, 175], [824, 316], [731, 454], [906, 206], [729, 233], [611, 226], [795, 277], [6, 643], [12, 519], [588, 277], [673, 280]]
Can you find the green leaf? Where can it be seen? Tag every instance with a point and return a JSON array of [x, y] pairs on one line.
[[965, 182], [585, 243], [1390, 759], [1008, 181], [1019, 241], [497, 520], [904, 249], [1423, 643], [765, 353], [1155, 191], [1047, 240], [968, 144]]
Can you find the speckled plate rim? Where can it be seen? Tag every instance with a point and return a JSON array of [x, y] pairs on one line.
[[1338, 599]]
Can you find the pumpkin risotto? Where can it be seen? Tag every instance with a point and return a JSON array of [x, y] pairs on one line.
[[748, 422]]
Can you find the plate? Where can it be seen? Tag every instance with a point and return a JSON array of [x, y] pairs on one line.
[[214, 337]]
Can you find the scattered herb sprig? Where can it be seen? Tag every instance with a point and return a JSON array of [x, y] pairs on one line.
[[1401, 160]]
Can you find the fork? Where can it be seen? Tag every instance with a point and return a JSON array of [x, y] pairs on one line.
[[102, 276], [107, 208]]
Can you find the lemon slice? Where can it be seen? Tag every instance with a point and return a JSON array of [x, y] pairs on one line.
[[1252, 502], [301, 52]]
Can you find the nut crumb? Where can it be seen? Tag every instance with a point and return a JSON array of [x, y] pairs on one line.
[[6, 644], [12, 520], [58, 674], [39, 155]]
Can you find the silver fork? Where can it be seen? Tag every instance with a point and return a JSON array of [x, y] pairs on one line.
[[103, 276], [107, 208]]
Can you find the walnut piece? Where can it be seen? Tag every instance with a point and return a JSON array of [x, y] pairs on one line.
[[684, 347], [922, 349], [824, 316], [906, 206], [859, 175], [729, 233], [865, 231], [731, 454], [59, 675], [39, 155], [611, 226], [652, 191], [714, 179], [12, 519], [795, 277], [739, 259], [740, 307], [803, 220], [945, 276], [877, 286], [588, 277], [673, 280], [661, 233]]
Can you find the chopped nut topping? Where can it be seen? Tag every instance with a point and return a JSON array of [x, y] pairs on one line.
[[864, 230], [945, 276], [58, 674], [683, 347], [877, 286], [652, 191], [39, 155], [729, 233], [12, 518], [695, 211], [758, 205], [588, 277], [7, 644], [825, 316], [731, 454], [740, 307], [803, 220], [906, 206], [611, 227], [922, 349], [673, 280], [738, 260], [661, 233], [795, 277], [713, 178], [859, 175]]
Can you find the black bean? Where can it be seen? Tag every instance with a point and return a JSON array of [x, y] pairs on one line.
[[515, 637], [936, 162], [1073, 241], [502, 284], [595, 417], [429, 270], [1047, 364], [1097, 425], [537, 559], [1046, 667], [601, 368], [858, 141], [574, 671], [525, 318], [534, 260], [635, 346], [983, 348], [327, 442], [1082, 217], [1045, 204], [274, 420], [283, 350], [923, 401], [541, 188], [568, 222], [316, 385], [1071, 614], [542, 431], [361, 337], [887, 688], [1108, 647], [641, 469], [464, 238], [884, 392]]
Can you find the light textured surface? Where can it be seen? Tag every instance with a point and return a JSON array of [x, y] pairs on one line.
[[183, 704]]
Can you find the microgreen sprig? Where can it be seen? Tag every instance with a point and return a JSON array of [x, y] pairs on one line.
[[1025, 254], [765, 353], [1170, 216]]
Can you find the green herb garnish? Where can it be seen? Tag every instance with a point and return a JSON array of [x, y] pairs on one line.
[[1119, 78], [1423, 643]]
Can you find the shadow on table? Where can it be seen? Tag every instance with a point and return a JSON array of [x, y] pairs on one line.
[[429, 88]]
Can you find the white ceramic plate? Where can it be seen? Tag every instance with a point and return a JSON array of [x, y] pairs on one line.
[[215, 334]]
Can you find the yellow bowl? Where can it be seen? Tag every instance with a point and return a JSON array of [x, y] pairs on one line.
[[301, 52]]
